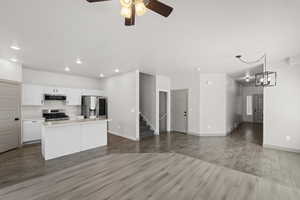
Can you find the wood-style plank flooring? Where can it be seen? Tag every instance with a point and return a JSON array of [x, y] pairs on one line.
[[167, 176], [241, 152]]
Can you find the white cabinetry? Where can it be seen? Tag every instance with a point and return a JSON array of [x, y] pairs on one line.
[[93, 136], [60, 141], [64, 139], [32, 130], [54, 90], [32, 95], [73, 97], [88, 92]]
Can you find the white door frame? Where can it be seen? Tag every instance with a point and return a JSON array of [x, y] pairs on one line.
[[20, 137], [168, 110], [187, 106]]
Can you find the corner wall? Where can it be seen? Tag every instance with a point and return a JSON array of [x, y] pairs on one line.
[[212, 102], [123, 104], [213, 105], [282, 109]]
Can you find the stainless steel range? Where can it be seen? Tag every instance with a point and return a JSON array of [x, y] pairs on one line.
[[55, 115]]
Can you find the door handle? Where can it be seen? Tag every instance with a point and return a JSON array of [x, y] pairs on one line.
[[17, 119]]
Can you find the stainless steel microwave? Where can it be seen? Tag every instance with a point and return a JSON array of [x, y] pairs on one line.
[[49, 97]]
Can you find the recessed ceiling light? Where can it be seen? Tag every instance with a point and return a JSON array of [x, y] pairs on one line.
[[67, 69], [15, 47], [14, 60], [78, 61], [101, 75], [117, 70]]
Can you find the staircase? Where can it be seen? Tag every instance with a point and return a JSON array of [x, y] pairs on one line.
[[145, 129]]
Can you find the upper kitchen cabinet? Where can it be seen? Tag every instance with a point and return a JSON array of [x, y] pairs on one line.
[[32, 95], [87, 92], [73, 97], [55, 90]]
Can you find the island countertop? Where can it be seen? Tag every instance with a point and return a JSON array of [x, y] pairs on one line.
[[61, 138], [71, 122]]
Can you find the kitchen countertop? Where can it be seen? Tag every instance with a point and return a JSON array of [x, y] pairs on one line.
[[71, 122], [34, 119]]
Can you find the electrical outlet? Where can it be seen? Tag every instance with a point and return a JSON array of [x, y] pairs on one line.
[[209, 127], [288, 138]]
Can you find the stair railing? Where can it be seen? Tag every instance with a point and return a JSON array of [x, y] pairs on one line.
[[163, 116]]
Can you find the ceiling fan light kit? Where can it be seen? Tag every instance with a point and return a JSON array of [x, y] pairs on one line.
[[131, 8], [265, 78]]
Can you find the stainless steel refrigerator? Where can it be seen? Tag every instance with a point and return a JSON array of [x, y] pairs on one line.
[[93, 107]]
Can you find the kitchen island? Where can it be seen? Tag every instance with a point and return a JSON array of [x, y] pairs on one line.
[[62, 138]]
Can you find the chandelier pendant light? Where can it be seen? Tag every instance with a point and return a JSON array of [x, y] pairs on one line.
[[265, 78]]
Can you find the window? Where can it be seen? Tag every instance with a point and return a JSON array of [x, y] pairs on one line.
[[249, 105]]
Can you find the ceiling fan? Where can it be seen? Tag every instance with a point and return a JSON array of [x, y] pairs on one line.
[[131, 8]]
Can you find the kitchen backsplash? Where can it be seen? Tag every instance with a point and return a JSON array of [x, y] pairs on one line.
[[36, 111]]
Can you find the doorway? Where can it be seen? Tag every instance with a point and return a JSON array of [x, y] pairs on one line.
[[10, 123], [180, 110], [163, 111], [258, 101]]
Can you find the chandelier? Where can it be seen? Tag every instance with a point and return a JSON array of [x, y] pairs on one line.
[[265, 78]]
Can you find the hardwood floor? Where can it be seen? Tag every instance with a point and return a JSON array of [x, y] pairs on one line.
[[240, 153], [148, 176]]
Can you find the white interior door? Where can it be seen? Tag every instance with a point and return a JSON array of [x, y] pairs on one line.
[[10, 123], [179, 111]]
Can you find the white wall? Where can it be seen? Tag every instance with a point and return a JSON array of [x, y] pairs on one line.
[[163, 83], [232, 98], [282, 109], [213, 104], [148, 98], [191, 82], [123, 104], [10, 71], [59, 79]]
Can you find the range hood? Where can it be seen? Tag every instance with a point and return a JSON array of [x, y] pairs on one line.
[[51, 97]]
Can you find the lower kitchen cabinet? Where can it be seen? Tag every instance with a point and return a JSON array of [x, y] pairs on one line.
[[60, 139], [32, 130]]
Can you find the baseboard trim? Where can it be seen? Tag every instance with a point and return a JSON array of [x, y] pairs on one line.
[[270, 146], [118, 134], [204, 134], [213, 134], [207, 134]]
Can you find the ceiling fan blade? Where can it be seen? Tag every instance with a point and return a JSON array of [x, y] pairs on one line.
[[159, 8], [131, 21], [93, 1]]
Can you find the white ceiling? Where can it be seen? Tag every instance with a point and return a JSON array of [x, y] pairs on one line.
[[199, 33]]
